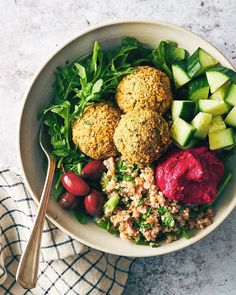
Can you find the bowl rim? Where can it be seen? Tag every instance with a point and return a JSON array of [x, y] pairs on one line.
[[81, 33]]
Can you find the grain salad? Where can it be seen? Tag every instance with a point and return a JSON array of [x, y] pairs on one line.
[[140, 212]]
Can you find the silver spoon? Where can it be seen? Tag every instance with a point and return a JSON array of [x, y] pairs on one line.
[[27, 271]]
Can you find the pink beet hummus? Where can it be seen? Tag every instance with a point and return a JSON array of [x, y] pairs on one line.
[[190, 176]]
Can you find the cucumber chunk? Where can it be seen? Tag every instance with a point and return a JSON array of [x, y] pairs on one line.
[[230, 96], [182, 132], [201, 122], [199, 62], [198, 88], [220, 93], [221, 139], [192, 143], [231, 118], [183, 108], [213, 107], [217, 124], [217, 76], [180, 75]]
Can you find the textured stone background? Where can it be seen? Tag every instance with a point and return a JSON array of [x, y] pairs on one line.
[[31, 29]]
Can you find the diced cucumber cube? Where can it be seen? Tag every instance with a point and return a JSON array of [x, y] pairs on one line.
[[217, 76], [192, 143], [231, 118], [182, 132], [230, 96], [201, 122], [180, 74], [183, 108], [221, 139], [220, 93], [217, 124], [198, 88], [213, 107], [199, 62]]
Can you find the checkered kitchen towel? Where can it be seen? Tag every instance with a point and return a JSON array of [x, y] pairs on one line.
[[66, 267]]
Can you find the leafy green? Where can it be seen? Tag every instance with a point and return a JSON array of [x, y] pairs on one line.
[[224, 183], [81, 215], [221, 187], [185, 233], [166, 54], [166, 217], [142, 241], [144, 224], [142, 201], [84, 82], [127, 177], [168, 220], [106, 224], [121, 173]]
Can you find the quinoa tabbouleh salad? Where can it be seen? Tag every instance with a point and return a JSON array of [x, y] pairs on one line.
[[141, 137]]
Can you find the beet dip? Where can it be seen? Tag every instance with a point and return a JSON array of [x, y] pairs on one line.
[[190, 176]]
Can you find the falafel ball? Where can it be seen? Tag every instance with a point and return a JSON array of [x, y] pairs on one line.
[[145, 88], [142, 136], [93, 132]]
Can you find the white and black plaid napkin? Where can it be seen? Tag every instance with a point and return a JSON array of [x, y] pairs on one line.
[[66, 266]]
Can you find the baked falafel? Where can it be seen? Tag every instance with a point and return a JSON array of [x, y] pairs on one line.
[[142, 136], [93, 132], [145, 88]]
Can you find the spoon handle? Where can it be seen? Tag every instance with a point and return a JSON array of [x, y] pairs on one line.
[[27, 271]]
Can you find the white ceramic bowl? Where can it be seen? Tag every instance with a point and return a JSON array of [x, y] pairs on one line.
[[38, 96]]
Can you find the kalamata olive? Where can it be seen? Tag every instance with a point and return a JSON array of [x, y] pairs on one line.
[[93, 170], [75, 184], [69, 201], [94, 202]]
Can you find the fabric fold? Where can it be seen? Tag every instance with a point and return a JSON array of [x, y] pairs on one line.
[[66, 266]]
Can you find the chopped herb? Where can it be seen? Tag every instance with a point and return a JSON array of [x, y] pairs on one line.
[[144, 224], [121, 165], [154, 244], [146, 215], [134, 168], [142, 201], [127, 177], [166, 217], [116, 178], [168, 220], [143, 242], [185, 233], [87, 122], [105, 179], [162, 209]]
